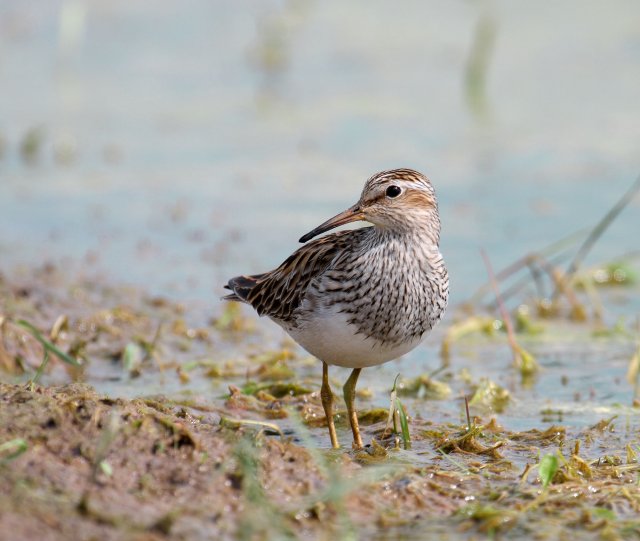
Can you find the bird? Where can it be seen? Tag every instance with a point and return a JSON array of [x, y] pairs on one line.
[[360, 297]]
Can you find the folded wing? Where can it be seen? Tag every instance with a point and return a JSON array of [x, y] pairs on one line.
[[279, 292]]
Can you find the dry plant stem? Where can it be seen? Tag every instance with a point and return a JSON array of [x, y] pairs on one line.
[[555, 275], [503, 312], [466, 407], [150, 352], [504, 274], [540, 263], [6, 360], [594, 298], [327, 403], [536, 276], [60, 323], [392, 410], [561, 282], [518, 286], [556, 251], [349, 398], [597, 232]]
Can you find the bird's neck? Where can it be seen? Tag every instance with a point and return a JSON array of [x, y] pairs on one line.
[[423, 234]]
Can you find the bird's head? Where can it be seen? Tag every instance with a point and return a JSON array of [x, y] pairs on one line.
[[400, 200]]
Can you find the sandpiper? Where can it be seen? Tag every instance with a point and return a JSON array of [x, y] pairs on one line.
[[360, 297]]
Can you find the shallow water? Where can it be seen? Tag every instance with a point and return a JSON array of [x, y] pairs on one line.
[[172, 148], [182, 145]]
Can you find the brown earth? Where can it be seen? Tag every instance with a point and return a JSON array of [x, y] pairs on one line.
[[171, 474]]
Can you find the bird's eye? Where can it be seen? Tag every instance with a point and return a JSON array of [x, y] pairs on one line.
[[393, 191]]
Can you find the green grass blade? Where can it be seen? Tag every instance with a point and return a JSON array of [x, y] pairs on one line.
[[48, 346], [15, 448], [40, 370], [404, 424]]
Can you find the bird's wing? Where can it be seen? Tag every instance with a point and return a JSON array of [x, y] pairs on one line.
[[279, 292]]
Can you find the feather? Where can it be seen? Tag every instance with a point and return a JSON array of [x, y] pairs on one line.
[[279, 292]]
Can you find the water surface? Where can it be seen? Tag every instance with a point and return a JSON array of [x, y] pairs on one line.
[[172, 146]]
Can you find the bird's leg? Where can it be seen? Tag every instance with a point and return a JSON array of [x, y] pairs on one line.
[[327, 404], [349, 397]]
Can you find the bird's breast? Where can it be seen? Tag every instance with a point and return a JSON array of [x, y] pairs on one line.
[[330, 336], [389, 293], [371, 307]]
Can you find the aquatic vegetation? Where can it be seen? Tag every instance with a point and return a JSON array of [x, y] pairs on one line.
[[616, 273], [398, 416], [424, 386], [473, 324], [548, 467], [489, 396]]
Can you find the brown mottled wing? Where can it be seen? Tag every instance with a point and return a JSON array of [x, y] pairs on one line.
[[279, 292]]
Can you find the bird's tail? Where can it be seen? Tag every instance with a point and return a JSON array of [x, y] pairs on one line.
[[241, 286]]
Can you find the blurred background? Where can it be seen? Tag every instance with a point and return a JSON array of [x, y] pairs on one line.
[[175, 144]]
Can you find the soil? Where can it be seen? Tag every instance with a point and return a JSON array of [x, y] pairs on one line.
[[173, 473]]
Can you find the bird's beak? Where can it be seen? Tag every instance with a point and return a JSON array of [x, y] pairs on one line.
[[352, 214]]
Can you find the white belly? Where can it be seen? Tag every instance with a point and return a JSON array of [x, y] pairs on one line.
[[332, 340]]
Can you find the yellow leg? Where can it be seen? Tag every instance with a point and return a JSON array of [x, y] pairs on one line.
[[327, 404], [349, 397]]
